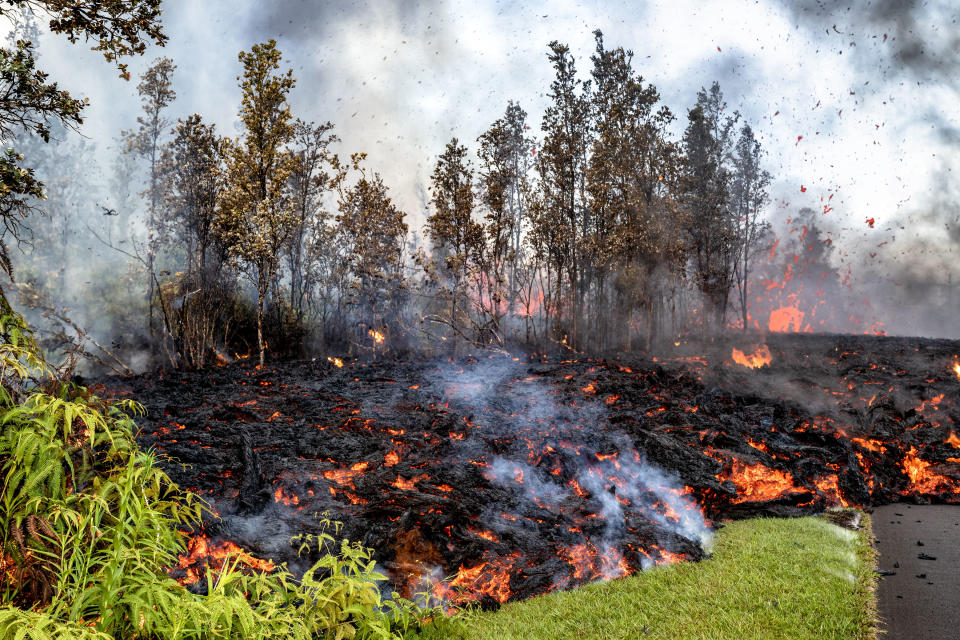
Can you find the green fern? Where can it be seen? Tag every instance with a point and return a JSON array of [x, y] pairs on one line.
[[89, 523]]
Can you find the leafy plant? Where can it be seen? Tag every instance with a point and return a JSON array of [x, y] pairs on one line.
[[89, 524]]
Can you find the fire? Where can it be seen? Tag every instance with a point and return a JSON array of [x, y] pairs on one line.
[[830, 487], [757, 483], [953, 441], [344, 476], [411, 484], [759, 358], [956, 369], [486, 535], [786, 320], [922, 479], [337, 362], [669, 557], [376, 335], [282, 497], [491, 578], [590, 563], [200, 551]]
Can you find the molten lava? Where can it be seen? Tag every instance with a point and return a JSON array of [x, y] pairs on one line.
[[757, 482], [202, 553]]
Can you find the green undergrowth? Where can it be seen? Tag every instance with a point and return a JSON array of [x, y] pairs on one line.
[[89, 523], [802, 578]]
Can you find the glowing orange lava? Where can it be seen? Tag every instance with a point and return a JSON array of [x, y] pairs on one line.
[[757, 483], [922, 479], [200, 552], [490, 578]]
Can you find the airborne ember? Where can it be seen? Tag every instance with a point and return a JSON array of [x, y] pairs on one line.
[[515, 477]]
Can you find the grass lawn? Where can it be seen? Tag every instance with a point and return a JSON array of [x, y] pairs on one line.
[[768, 578]]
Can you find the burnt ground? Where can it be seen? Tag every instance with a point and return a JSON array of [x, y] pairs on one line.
[[516, 476]]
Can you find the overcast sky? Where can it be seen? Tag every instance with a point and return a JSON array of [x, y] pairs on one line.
[[854, 99]]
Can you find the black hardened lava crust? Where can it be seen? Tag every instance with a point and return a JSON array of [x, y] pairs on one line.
[[522, 475]]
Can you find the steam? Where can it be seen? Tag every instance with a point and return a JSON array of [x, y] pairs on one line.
[[506, 399]]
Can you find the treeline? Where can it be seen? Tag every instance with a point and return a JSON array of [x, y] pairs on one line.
[[602, 233]]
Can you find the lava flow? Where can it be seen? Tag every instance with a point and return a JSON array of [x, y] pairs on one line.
[[495, 479]]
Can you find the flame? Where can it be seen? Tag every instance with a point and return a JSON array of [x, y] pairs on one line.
[[376, 335], [871, 444], [757, 483], [786, 320], [486, 535], [490, 578], [337, 362], [669, 557], [282, 497], [953, 441], [200, 551], [922, 479], [830, 486], [344, 475], [956, 369], [411, 484], [759, 358]]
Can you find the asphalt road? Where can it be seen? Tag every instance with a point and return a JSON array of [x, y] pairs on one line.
[[922, 600]]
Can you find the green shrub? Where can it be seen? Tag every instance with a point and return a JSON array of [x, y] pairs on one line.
[[89, 524]]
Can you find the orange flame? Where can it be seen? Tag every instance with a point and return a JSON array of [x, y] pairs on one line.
[[922, 479], [201, 551], [344, 476], [411, 484], [282, 497], [786, 320], [757, 483], [377, 336], [759, 358], [491, 578], [337, 362]]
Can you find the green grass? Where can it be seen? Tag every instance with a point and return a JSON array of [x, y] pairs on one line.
[[768, 578]]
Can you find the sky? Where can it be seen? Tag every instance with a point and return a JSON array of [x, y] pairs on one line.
[[853, 101]]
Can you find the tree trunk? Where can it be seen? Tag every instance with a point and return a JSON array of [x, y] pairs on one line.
[[260, 296]]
